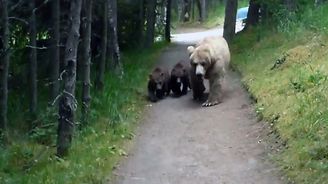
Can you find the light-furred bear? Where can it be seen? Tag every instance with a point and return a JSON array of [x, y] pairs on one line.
[[210, 59], [179, 81], [158, 84]]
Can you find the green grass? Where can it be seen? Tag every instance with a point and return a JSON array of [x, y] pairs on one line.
[[96, 147], [286, 71], [215, 17]]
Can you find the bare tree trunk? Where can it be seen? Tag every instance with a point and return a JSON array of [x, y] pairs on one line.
[[141, 23], [33, 61], [114, 46], [102, 63], [4, 65], [253, 14], [55, 52], [150, 14], [86, 58], [185, 14], [192, 2], [290, 5], [67, 104], [199, 7], [203, 10], [168, 21], [230, 20]]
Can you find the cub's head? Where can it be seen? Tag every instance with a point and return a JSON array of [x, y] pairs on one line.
[[200, 59], [179, 71], [157, 78]]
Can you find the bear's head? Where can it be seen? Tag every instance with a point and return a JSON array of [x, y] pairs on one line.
[[178, 71], [157, 78], [200, 59]]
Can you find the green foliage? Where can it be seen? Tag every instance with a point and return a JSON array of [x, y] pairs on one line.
[[305, 15], [215, 16], [293, 96], [30, 158]]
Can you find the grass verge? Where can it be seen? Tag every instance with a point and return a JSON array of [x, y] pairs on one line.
[[97, 147], [286, 72]]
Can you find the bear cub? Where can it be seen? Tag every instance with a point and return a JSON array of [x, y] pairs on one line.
[[179, 81], [197, 85], [158, 84]]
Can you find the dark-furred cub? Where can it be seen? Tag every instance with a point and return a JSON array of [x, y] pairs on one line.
[[179, 81], [158, 84]]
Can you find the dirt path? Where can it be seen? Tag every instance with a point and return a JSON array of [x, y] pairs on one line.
[[181, 143]]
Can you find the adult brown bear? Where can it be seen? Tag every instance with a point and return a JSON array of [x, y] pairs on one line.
[[210, 59], [158, 84], [179, 81]]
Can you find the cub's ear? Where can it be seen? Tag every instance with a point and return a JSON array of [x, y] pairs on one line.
[[150, 76], [191, 49]]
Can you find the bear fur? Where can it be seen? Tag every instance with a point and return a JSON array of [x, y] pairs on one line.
[[158, 84], [210, 59], [197, 85], [179, 81]]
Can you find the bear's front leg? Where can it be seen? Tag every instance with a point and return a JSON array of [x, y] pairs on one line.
[[215, 92], [152, 96], [185, 85]]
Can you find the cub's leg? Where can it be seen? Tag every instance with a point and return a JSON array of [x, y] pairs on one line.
[[185, 85], [151, 93]]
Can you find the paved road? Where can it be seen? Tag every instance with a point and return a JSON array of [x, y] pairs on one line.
[[179, 142]]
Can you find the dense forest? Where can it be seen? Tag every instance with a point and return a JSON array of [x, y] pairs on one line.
[[68, 66]]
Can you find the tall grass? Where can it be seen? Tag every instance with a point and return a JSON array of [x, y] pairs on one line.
[[97, 146], [285, 68]]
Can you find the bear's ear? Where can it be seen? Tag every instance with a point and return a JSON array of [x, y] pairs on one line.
[[191, 49], [150, 76]]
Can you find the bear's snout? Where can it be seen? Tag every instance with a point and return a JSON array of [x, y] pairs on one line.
[[200, 70]]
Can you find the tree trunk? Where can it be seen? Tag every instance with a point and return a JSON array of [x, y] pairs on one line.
[[230, 20], [67, 103], [33, 61], [203, 10], [150, 14], [102, 64], [290, 5], [253, 14], [168, 21], [114, 46], [4, 65], [140, 23], [55, 52], [86, 58], [199, 7], [185, 14], [193, 9]]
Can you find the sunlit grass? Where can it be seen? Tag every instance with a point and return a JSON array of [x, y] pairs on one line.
[[292, 95], [98, 146]]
